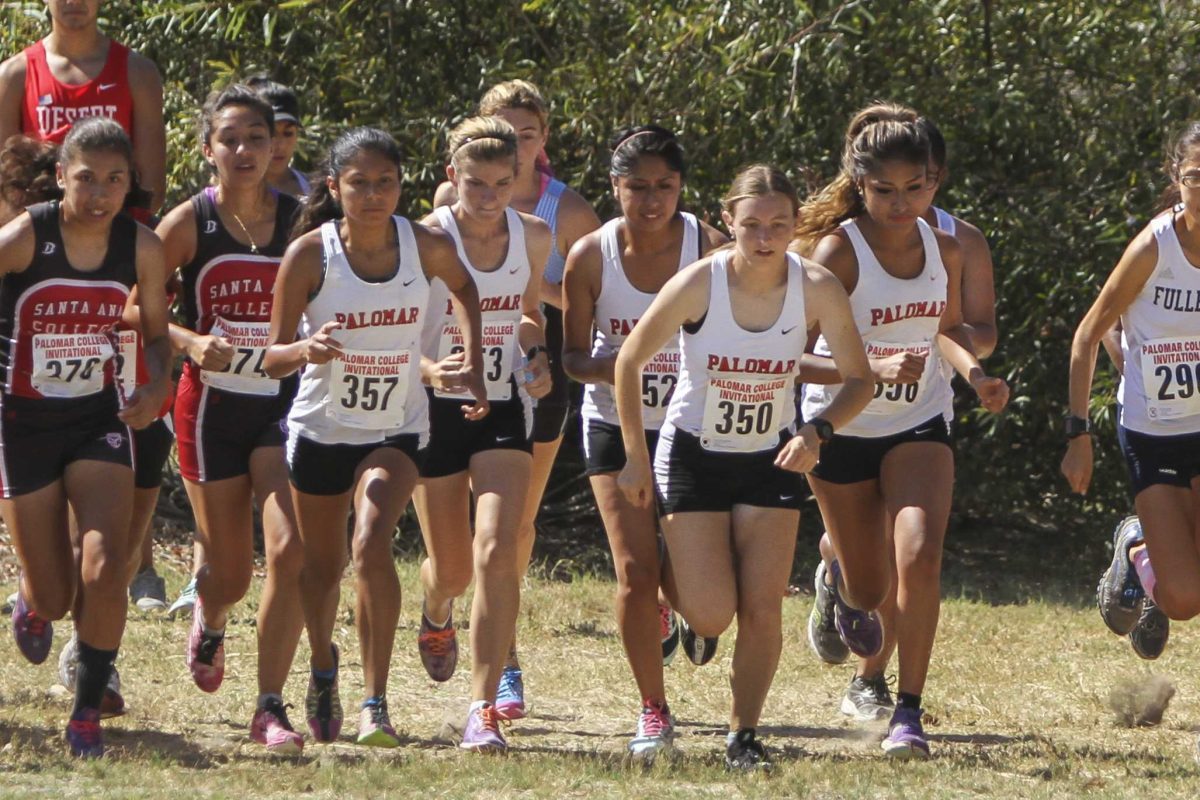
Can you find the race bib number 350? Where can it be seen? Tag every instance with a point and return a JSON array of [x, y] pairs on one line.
[[244, 374], [744, 414], [499, 345], [69, 365], [892, 398], [368, 388], [1171, 377]]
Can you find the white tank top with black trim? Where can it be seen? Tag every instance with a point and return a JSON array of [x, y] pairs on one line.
[[893, 315], [618, 308], [1160, 340], [375, 391], [737, 388]]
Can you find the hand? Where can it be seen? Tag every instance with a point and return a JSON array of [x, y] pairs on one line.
[[636, 482], [903, 367], [802, 452], [210, 352], [473, 382], [142, 407], [447, 375], [993, 392], [540, 384], [1077, 463], [321, 348]]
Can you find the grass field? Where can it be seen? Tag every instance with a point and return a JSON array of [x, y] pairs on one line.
[[1018, 702]]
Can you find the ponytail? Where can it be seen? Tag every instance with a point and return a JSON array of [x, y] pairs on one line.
[[320, 207]]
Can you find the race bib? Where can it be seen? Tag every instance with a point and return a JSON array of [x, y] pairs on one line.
[[1171, 377], [244, 375], [70, 364], [659, 377], [892, 398], [499, 345], [744, 414], [368, 388]]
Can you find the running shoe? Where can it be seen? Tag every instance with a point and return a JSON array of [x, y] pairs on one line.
[[148, 591], [823, 636], [1149, 635], [668, 629], [1119, 594], [438, 648], [747, 754], [906, 737], [699, 649], [205, 653], [185, 601], [862, 631], [510, 695], [112, 704], [83, 734], [655, 733], [272, 729], [375, 726], [868, 699], [482, 733], [323, 704], [33, 633]]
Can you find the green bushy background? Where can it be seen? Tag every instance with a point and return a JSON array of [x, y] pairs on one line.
[[1057, 114]]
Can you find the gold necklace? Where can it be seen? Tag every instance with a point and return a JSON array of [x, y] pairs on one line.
[[238, 220]]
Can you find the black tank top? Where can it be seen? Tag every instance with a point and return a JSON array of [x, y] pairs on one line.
[[55, 320]]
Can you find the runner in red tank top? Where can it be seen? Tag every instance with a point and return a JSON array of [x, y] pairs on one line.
[[78, 72]]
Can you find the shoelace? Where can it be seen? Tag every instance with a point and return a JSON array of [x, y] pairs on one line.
[[379, 715], [33, 623], [653, 721], [279, 712], [881, 687], [488, 719], [438, 642], [508, 681], [207, 649]]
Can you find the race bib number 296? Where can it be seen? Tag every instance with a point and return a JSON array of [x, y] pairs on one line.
[[1171, 377]]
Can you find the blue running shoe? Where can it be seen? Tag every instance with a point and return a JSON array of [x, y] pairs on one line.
[[510, 695], [1119, 594], [906, 737]]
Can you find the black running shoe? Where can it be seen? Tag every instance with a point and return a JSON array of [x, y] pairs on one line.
[[1149, 635], [699, 649], [868, 699], [747, 754]]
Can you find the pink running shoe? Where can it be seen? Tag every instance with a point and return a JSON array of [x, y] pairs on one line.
[[83, 734], [483, 732], [205, 654], [271, 728], [33, 633], [438, 648]]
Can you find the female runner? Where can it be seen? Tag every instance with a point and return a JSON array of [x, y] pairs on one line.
[[570, 218], [728, 454], [503, 250], [1150, 292], [611, 277], [356, 284], [227, 242], [884, 483], [65, 440]]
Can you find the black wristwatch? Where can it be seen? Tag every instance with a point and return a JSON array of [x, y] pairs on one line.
[[824, 429], [532, 352], [1075, 427]]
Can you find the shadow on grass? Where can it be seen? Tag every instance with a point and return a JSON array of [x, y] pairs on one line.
[[119, 744]]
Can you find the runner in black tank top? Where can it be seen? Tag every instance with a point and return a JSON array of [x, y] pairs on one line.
[[229, 415], [70, 268]]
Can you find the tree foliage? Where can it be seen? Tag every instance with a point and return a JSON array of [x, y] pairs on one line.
[[1056, 111]]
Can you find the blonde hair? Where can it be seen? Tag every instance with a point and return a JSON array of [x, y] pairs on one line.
[[515, 94], [482, 139], [758, 180], [880, 132]]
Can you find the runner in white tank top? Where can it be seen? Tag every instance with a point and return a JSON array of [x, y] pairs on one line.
[[727, 462], [612, 276], [905, 286], [1154, 291], [356, 286], [504, 250]]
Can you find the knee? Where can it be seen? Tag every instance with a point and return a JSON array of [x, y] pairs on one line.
[[228, 580], [1178, 603], [451, 577], [371, 546], [709, 619], [636, 579], [286, 559], [51, 602], [761, 617], [494, 557], [921, 566], [104, 571], [866, 597], [322, 574]]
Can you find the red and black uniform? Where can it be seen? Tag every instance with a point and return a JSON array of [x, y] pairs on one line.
[[51, 107], [222, 417], [57, 346]]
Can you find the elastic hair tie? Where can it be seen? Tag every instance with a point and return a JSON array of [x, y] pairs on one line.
[[467, 140], [633, 136]]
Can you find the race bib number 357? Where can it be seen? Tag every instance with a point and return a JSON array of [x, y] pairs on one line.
[[744, 414], [368, 388], [1171, 377], [69, 365], [244, 374]]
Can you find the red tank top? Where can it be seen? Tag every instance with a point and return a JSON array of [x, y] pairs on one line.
[[50, 107]]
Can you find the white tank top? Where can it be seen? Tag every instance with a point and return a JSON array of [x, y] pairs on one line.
[[375, 391], [737, 388], [1160, 339], [893, 315], [500, 292], [618, 309]]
